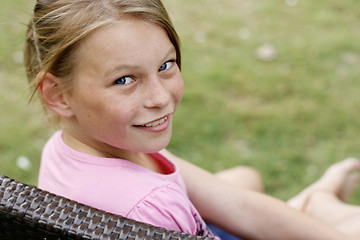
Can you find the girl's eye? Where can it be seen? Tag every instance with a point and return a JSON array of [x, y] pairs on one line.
[[166, 65], [123, 80]]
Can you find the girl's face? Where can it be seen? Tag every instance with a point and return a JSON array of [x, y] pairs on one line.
[[126, 88]]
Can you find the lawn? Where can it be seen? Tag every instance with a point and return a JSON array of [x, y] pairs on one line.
[[269, 84]]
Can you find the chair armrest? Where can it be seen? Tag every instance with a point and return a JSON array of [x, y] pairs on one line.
[[27, 212]]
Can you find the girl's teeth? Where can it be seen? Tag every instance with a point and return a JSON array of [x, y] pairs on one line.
[[153, 124]]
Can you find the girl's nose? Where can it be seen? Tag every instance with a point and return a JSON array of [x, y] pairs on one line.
[[157, 93]]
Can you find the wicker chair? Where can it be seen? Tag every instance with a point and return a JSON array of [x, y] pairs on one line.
[[27, 212]]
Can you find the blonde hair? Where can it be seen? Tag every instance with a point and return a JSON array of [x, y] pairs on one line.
[[58, 26]]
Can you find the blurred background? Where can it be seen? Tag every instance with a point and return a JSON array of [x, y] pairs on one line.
[[269, 84]]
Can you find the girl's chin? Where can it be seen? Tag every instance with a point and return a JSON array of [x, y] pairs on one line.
[[156, 148]]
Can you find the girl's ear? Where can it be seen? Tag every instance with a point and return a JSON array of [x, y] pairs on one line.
[[52, 94]]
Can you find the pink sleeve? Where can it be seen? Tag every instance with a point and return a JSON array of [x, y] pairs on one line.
[[165, 207]]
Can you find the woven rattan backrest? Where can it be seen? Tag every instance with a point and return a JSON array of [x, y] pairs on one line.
[[27, 212]]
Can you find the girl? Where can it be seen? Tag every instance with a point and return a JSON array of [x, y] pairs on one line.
[[109, 70]]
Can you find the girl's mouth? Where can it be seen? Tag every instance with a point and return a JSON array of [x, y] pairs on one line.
[[156, 126], [155, 123]]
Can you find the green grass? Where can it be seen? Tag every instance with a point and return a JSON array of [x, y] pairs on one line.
[[289, 117]]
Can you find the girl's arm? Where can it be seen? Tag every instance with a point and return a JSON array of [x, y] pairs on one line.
[[248, 214]]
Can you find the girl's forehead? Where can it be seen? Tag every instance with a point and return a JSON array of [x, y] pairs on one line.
[[131, 42], [127, 31]]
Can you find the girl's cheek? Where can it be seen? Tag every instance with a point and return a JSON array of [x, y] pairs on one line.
[[180, 90]]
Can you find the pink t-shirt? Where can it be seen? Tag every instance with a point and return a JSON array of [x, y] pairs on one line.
[[121, 187]]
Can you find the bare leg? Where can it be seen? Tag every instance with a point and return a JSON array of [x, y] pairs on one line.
[[324, 199], [242, 177], [327, 207], [340, 179]]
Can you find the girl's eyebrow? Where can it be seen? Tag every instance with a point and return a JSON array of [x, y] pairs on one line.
[[134, 67], [120, 67], [170, 52]]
